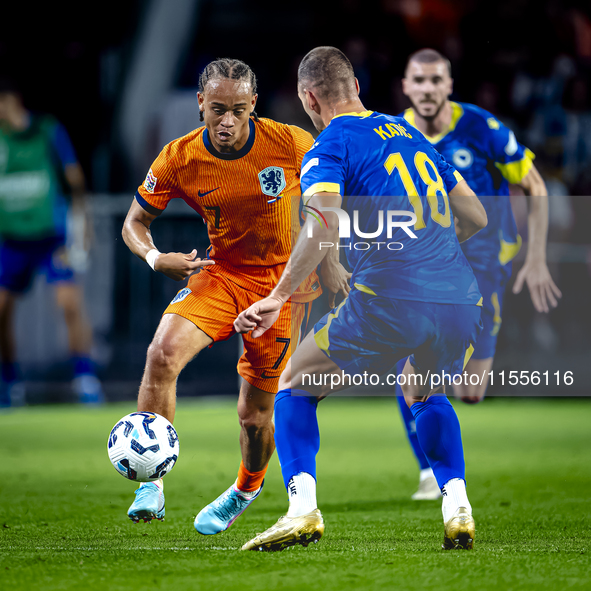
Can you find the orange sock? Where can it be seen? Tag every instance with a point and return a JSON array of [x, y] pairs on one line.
[[249, 481]]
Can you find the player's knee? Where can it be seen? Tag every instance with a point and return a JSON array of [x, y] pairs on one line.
[[255, 414], [72, 312], [472, 399], [255, 421], [470, 394], [410, 400], [162, 359], [68, 299], [415, 393]]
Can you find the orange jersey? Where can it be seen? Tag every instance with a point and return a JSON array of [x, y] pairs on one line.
[[250, 200]]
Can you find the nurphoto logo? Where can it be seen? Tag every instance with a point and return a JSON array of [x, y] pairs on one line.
[[389, 220]]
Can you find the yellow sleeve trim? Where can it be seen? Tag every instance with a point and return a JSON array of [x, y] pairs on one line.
[[515, 172], [458, 176], [323, 188]]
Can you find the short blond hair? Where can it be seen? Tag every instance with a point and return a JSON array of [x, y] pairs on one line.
[[428, 56]]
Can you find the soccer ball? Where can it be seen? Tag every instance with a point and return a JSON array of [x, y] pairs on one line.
[[143, 446]]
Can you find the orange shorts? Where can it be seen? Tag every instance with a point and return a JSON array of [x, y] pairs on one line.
[[212, 302]]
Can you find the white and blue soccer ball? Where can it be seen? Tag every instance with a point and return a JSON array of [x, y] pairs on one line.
[[143, 446]]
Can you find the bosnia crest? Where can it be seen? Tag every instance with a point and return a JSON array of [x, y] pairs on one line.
[[462, 158], [272, 181]]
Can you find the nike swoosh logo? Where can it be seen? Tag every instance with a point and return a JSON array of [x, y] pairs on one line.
[[266, 377], [206, 192]]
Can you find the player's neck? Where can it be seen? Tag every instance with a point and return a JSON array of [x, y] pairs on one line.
[[340, 108], [438, 124]]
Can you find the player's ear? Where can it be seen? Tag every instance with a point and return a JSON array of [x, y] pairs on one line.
[[451, 86], [253, 102], [201, 103], [357, 86], [312, 101], [405, 86]]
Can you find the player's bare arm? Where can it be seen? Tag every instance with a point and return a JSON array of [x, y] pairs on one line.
[[136, 234], [335, 278], [470, 215], [544, 292], [306, 256]]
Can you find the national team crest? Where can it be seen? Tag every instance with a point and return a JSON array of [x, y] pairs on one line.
[[150, 182], [462, 158], [272, 181]]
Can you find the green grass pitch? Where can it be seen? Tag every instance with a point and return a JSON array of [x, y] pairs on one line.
[[63, 522]]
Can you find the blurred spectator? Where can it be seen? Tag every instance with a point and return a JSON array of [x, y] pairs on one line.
[[176, 116], [285, 105], [356, 49], [38, 168]]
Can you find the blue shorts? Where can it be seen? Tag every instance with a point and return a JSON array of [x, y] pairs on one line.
[[492, 287], [21, 260], [371, 333]]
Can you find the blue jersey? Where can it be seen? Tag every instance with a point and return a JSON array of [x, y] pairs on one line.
[[489, 158], [387, 173]]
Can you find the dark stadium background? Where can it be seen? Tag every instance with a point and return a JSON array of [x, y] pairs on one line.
[[110, 72]]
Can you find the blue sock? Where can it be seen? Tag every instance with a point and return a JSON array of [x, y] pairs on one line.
[[409, 422], [82, 365], [297, 437], [438, 431]]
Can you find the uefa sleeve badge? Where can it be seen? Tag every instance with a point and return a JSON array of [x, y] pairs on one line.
[[150, 182]]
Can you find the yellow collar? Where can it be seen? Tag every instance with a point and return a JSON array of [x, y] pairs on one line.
[[456, 115], [362, 114]]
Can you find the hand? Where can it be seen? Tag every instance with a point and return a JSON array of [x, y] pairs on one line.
[[259, 317], [179, 266], [544, 292], [335, 278]]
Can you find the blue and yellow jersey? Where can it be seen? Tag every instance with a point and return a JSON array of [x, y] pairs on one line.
[[387, 171], [489, 157]]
